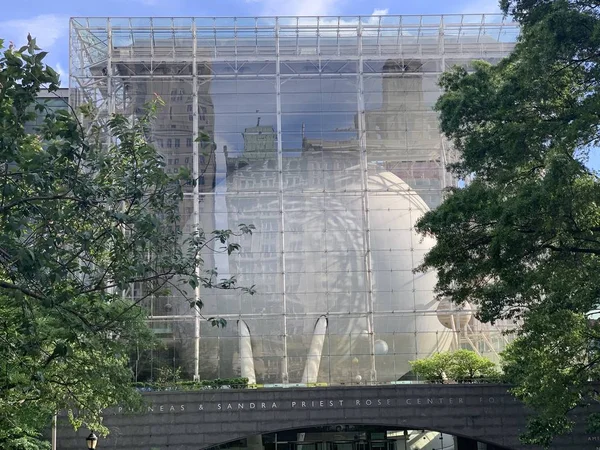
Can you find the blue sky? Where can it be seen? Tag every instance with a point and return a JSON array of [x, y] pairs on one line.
[[49, 20]]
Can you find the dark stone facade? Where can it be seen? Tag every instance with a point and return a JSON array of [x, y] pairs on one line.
[[197, 420]]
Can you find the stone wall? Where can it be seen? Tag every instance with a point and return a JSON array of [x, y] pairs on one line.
[[196, 420]]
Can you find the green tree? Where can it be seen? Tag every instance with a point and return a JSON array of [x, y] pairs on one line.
[[552, 363], [434, 369], [468, 366], [522, 239], [459, 366], [80, 223]]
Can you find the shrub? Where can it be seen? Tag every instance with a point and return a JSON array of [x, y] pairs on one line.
[[462, 366], [219, 383]]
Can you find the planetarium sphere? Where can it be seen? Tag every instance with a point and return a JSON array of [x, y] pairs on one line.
[[346, 255]]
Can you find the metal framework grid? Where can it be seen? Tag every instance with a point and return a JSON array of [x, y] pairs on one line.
[[154, 41], [116, 62]]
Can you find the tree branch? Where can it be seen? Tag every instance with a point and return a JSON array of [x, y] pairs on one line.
[[572, 249], [14, 287]]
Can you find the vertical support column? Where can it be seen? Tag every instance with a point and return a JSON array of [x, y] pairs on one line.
[[443, 155], [109, 71], [72, 101], [319, 43], [364, 180], [196, 192], [246, 353], [284, 362], [75, 58], [254, 442], [152, 41], [313, 359]]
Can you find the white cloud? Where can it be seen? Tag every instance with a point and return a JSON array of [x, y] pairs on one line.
[[380, 12], [308, 8], [481, 6], [64, 76], [298, 7], [46, 28], [374, 19]]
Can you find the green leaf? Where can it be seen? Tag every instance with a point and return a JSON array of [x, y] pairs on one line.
[[519, 239], [217, 322], [91, 240]]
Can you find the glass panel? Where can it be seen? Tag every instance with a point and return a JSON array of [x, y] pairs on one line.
[[332, 178]]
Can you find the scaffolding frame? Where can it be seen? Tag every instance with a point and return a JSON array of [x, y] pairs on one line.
[[108, 55]]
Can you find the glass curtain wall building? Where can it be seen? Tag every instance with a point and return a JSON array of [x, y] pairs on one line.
[[322, 135]]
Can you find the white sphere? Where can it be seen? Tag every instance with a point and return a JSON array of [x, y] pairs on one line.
[[381, 347], [454, 316], [394, 207], [358, 378]]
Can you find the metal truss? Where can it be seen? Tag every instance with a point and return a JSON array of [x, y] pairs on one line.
[[114, 61]]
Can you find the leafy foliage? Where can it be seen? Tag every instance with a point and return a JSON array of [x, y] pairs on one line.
[[552, 363], [168, 375], [522, 239], [176, 385], [434, 369], [81, 222], [461, 366], [468, 366]]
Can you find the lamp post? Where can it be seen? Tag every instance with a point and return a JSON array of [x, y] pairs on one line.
[[91, 441]]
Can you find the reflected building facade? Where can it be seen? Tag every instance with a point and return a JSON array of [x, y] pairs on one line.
[[53, 101], [320, 132]]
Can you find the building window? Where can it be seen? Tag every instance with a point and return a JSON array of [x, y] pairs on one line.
[[188, 142], [159, 142], [177, 143], [177, 96], [201, 180], [169, 143]]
